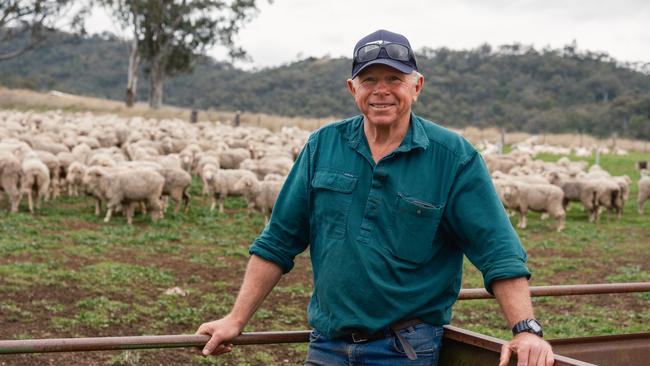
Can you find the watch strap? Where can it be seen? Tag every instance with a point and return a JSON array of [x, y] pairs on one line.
[[524, 326]]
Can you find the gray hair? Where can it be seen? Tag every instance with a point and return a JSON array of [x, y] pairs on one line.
[[414, 75]]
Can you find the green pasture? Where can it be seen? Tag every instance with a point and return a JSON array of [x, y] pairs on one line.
[[65, 273]]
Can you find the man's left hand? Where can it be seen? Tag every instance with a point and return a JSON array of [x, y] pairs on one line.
[[530, 349]]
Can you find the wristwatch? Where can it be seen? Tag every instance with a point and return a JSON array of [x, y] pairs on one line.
[[528, 325]]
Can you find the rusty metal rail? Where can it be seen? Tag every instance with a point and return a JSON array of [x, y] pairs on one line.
[[142, 342], [618, 349], [176, 341], [565, 290], [462, 347]]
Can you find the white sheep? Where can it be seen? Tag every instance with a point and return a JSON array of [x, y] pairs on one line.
[[91, 184], [91, 142], [54, 167], [10, 178], [223, 183], [171, 161], [260, 195], [262, 167], [499, 163], [81, 153], [35, 178], [644, 193], [74, 177], [580, 190], [533, 179], [177, 183], [187, 159], [274, 177], [101, 159], [207, 158], [609, 195], [535, 197], [232, 158], [125, 187], [624, 182], [45, 144]]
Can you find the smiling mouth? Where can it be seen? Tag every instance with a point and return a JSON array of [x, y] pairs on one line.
[[381, 105]]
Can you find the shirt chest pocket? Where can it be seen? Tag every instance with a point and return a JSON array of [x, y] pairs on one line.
[[416, 224], [332, 195]]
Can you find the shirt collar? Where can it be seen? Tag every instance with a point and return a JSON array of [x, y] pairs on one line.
[[420, 138], [416, 136]]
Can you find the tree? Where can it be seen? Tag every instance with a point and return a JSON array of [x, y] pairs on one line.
[[170, 35], [129, 19], [30, 18]]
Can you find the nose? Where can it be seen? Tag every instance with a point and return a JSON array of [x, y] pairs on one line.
[[380, 87]]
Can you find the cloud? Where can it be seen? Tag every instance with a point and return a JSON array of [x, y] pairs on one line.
[[287, 28]]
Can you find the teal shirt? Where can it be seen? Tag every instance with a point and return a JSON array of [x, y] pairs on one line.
[[387, 239]]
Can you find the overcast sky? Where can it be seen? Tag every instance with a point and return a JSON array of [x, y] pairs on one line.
[[290, 29]]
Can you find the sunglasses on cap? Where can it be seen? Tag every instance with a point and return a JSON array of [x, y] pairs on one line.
[[370, 51]]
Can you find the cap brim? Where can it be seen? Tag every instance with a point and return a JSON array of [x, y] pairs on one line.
[[388, 62]]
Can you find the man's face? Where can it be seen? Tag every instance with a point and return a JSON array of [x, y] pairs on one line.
[[384, 95]]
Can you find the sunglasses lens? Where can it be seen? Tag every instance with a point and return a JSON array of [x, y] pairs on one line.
[[368, 52], [397, 52]]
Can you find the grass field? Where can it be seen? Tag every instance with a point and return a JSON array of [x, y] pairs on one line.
[[64, 273]]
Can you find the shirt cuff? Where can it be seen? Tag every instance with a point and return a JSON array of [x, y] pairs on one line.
[[271, 253], [505, 269]]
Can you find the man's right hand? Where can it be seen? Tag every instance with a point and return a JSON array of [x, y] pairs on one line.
[[220, 331]]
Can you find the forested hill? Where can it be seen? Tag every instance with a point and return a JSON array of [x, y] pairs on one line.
[[516, 87]]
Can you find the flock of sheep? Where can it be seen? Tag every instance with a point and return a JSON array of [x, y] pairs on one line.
[[533, 146], [132, 163], [129, 164], [525, 184]]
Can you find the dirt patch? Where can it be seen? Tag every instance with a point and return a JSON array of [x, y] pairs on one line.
[[79, 225]]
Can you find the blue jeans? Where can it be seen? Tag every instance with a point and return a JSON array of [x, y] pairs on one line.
[[425, 339]]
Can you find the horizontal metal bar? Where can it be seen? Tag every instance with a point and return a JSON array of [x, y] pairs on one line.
[[565, 290], [179, 341], [142, 342], [171, 341]]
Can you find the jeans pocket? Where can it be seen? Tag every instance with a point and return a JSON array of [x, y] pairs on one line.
[[424, 338]]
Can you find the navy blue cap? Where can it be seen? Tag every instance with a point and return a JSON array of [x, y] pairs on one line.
[[384, 36]]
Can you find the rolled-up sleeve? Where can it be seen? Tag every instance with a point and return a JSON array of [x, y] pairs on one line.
[[287, 233], [479, 222]]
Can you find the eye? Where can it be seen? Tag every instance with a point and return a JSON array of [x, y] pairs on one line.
[[369, 80], [393, 79]]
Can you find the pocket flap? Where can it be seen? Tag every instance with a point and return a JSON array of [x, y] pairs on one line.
[[334, 181], [417, 207]]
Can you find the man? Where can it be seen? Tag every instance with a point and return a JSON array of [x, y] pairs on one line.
[[388, 203]]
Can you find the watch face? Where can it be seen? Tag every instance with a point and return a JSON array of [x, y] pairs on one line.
[[534, 325]]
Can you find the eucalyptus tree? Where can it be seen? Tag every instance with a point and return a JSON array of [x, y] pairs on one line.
[[27, 22], [170, 35]]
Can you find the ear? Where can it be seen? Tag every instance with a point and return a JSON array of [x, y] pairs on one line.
[[351, 87], [418, 87]]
